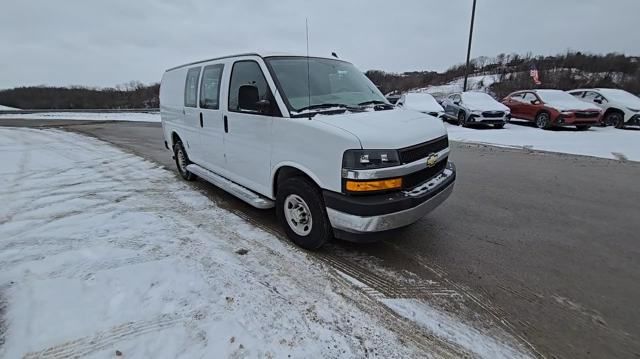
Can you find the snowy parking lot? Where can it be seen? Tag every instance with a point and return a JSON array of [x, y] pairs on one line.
[[102, 251], [600, 142]]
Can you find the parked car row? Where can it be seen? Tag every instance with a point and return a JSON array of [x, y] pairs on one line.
[[582, 108]]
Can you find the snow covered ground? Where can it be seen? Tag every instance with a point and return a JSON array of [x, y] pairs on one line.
[[7, 108], [477, 83], [102, 251], [597, 142], [88, 116]]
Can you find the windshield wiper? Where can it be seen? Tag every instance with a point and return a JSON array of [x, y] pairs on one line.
[[377, 103], [323, 105]]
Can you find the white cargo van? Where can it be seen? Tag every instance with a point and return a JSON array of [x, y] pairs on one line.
[[310, 136]]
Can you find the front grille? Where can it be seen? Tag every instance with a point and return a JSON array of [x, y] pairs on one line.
[[493, 114], [587, 114], [411, 180], [414, 153]]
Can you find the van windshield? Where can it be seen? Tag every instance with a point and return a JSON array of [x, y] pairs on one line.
[[333, 83]]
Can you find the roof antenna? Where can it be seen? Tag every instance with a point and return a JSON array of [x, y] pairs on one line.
[[306, 23], [334, 55]]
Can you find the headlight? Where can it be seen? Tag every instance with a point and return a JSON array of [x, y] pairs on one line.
[[633, 109], [477, 113], [369, 159], [566, 113]]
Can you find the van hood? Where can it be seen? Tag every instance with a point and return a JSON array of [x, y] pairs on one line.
[[389, 129]]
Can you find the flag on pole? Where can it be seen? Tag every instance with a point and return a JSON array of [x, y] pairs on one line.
[[535, 75]]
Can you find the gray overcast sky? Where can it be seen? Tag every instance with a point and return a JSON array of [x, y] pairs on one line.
[[109, 42]]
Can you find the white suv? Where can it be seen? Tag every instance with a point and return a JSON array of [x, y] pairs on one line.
[[620, 107], [331, 154]]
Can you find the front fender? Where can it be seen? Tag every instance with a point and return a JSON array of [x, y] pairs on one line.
[[300, 168]]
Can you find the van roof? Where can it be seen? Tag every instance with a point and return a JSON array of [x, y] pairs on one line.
[[259, 54]]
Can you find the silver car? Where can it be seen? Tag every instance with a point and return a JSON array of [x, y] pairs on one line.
[[469, 108]]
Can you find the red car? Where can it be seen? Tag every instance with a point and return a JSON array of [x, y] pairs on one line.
[[549, 108]]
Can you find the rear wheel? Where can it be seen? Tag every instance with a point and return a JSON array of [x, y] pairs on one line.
[[583, 127], [462, 119], [543, 120], [182, 161], [615, 119], [301, 211]]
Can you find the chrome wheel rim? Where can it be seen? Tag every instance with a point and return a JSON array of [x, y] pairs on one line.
[[298, 215], [182, 161], [541, 122]]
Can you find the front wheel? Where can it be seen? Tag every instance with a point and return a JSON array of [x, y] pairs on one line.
[[182, 161], [301, 212], [616, 119], [543, 120], [462, 119]]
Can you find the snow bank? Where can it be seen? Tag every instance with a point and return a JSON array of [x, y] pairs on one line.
[[7, 108], [88, 116], [103, 251], [597, 142]]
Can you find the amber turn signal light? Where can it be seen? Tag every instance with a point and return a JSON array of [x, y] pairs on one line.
[[380, 185]]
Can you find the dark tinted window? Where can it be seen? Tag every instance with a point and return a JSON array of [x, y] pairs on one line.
[[577, 94], [247, 73], [191, 87], [210, 87]]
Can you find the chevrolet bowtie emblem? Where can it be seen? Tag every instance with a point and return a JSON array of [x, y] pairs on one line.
[[432, 160]]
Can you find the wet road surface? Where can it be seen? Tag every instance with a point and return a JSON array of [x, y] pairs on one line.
[[546, 245]]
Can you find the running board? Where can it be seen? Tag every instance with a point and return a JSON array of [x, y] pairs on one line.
[[233, 188]]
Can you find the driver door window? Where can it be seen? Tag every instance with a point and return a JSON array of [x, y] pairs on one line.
[[529, 97], [249, 88], [594, 97]]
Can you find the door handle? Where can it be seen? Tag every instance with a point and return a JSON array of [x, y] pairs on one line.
[[226, 124], [201, 123]]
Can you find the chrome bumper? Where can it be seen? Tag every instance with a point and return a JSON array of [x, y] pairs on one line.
[[378, 223]]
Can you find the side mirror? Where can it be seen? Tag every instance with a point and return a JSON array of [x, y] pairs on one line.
[[598, 101], [248, 98]]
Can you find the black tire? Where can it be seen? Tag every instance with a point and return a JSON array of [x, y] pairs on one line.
[[320, 231], [462, 119], [615, 119], [498, 125], [543, 120], [182, 160], [583, 127]]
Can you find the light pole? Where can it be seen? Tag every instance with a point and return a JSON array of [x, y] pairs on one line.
[[466, 69]]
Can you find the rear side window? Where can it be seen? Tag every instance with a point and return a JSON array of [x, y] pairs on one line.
[[578, 94], [517, 96], [210, 87], [191, 87], [247, 74]]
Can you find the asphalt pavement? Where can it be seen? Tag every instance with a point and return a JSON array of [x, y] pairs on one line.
[[547, 245]]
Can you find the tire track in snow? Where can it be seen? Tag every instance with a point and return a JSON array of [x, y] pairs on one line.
[[109, 338]]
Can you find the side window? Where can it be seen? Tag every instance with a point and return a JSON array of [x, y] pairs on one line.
[[577, 94], [517, 97], [528, 97], [210, 87], [249, 90], [457, 98], [594, 97], [191, 87]]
